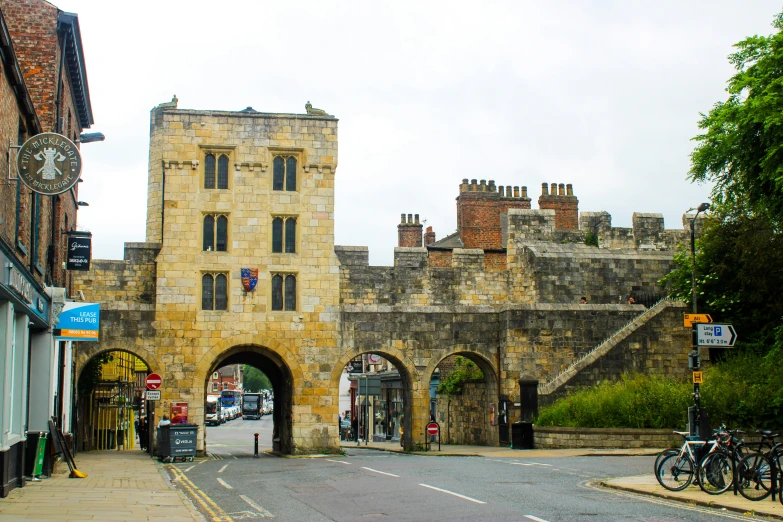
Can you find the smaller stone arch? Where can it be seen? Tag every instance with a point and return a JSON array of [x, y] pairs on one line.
[[471, 413], [414, 397], [83, 354]]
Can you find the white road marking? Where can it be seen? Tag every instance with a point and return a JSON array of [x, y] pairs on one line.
[[452, 493], [233, 457], [224, 484], [338, 461], [191, 467], [223, 469], [531, 517], [381, 472], [259, 509]]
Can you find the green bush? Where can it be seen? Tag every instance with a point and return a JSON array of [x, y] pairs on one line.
[[464, 371], [635, 401]]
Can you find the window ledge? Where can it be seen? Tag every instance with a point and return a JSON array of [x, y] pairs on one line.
[[39, 269], [21, 247]]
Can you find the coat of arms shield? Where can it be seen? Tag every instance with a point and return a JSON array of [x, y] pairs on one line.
[[249, 278]]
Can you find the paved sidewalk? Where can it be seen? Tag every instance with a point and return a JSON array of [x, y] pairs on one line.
[[120, 486], [647, 485]]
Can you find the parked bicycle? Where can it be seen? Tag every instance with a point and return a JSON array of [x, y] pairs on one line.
[[759, 474], [716, 470], [675, 469]]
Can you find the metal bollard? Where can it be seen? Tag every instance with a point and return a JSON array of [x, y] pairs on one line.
[[255, 450]]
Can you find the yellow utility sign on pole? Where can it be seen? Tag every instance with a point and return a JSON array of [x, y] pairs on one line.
[[698, 378], [689, 319]]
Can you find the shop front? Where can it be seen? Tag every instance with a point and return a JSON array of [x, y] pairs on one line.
[[27, 371]]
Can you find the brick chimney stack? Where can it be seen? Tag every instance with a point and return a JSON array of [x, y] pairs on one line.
[[429, 237], [561, 199], [409, 231], [479, 207]]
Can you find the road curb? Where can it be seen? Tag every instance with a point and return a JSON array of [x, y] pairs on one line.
[[675, 497]]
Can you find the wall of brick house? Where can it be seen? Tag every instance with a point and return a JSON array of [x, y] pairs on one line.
[[439, 259], [33, 28], [561, 199]]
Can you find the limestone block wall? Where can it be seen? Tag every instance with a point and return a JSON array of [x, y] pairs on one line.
[[562, 273], [464, 418], [660, 347]]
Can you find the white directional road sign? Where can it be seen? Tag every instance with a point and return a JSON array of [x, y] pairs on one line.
[[716, 335]]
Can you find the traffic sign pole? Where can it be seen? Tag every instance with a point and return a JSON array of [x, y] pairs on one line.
[[694, 363]]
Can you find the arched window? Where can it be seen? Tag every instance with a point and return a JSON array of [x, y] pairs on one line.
[[290, 174], [221, 292], [206, 292], [214, 292], [222, 233], [290, 292], [278, 174], [277, 292], [290, 236], [209, 233], [284, 173], [277, 235], [209, 171], [284, 235], [222, 180]]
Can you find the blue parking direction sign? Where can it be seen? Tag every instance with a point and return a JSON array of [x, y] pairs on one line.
[[716, 335]]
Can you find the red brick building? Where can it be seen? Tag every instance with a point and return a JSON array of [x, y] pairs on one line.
[[43, 89], [482, 221]]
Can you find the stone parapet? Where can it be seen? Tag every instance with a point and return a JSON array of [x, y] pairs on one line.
[[554, 437], [412, 257], [352, 255]]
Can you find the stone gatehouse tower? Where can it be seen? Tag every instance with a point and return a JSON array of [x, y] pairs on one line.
[[237, 195]]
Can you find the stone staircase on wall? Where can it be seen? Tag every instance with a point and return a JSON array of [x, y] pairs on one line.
[[602, 349]]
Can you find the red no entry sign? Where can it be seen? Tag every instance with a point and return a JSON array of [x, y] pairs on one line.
[[433, 428], [153, 381]]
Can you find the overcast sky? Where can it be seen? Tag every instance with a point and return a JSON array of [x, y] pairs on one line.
[[603, 95]]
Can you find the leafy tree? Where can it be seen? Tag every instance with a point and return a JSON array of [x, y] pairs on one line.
[[254, 380], [464, 370], [742, 148], [738, 272], [738, 268]]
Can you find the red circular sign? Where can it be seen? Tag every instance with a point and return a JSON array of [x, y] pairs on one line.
[[153, 381], [433, 428]]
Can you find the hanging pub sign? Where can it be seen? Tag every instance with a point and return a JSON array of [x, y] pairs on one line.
[[49, 163], [79, 251]]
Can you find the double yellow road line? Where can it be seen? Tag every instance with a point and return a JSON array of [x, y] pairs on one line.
[[214, 511]]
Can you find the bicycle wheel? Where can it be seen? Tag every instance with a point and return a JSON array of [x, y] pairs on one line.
[[675, 472], [754, 474], [661, 455], [716, 473]]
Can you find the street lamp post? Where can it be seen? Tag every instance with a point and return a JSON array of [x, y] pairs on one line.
[[694, 362], [701, 208]]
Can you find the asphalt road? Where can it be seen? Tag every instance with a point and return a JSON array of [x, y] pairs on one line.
[[369, 485]]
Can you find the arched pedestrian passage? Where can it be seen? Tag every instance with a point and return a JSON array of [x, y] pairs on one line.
[[466, 401], [110, 409], [385, 401]]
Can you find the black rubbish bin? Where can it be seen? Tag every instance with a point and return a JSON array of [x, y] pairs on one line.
[[177, 441], [522, 435]]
